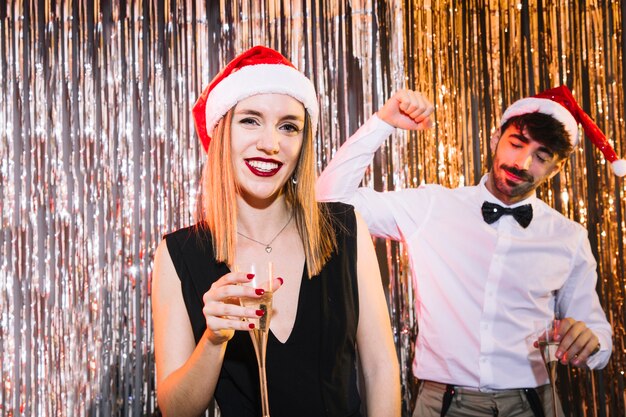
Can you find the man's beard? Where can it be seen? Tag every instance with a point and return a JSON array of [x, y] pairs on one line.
[[510, 189]]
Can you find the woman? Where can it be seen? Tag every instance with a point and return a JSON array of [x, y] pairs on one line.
[[258, 204]]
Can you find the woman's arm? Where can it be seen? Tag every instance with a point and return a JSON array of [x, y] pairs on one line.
[[374, 337], [186, 373]]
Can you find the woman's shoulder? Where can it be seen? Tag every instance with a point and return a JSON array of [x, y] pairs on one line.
[[184, 234], [337, 207], [191, 250], [195, 238], [338, 212], [341, 216]]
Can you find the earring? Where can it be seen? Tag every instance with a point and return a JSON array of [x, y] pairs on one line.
[[294, 180]]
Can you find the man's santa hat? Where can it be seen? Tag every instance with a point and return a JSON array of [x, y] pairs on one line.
[[559, 103], [259, 70]]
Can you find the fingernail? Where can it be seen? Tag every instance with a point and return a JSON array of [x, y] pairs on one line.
[[281, 280], [260, 313], [576, 361], [535, 344], [250, 276], [259, 291], [559, 354], [251, 325]]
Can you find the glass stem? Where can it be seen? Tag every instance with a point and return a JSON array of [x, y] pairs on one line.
[[553, 389], [259, 340], [263, 385]]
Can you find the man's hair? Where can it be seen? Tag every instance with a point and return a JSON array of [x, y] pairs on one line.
[[544, 129], [217, 209]]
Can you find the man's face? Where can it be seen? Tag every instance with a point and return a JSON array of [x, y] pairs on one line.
[[520, 165]]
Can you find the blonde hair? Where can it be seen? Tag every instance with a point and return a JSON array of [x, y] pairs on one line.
[[218, 204]]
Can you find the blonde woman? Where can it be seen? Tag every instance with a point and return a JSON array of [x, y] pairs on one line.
[[257, 120]]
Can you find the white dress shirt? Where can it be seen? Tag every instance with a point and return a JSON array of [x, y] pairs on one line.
[[480, 288]]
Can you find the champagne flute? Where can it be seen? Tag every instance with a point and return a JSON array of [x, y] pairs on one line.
[[263, 277], [546, 331]]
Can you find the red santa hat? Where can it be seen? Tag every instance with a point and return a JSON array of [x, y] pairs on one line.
[[560, 103], [259, 70]]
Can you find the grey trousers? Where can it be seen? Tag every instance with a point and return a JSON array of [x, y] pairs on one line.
[[470, 403]]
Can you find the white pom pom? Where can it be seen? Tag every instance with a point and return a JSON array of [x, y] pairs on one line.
[[619, 167]]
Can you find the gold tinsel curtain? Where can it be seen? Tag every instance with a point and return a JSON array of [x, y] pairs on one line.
[[98, 158]]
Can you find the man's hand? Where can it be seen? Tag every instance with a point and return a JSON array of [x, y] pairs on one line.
[[407, 109], [577, 342]]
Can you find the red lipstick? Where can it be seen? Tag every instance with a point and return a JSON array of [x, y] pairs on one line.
[[263, 167]]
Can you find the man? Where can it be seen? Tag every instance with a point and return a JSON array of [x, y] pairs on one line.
[[482, 282]]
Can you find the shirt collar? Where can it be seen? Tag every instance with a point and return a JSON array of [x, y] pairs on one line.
[[486, 195]]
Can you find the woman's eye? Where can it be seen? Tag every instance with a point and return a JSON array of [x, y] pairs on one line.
[[248, 121], [290, 127]]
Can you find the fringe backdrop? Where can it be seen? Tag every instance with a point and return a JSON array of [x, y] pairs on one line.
[[99, 158]]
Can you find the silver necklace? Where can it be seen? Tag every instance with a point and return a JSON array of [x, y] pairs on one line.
[[268, 247]]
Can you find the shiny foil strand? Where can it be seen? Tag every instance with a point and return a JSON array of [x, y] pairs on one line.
[[98, 158]]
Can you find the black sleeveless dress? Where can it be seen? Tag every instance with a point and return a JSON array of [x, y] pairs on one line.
[[314, 372]]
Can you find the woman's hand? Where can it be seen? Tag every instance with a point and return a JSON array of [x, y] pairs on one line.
[[222, 309]]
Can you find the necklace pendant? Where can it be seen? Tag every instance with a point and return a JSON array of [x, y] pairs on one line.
[[268, 249]]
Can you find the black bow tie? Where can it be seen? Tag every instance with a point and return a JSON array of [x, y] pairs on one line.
[[492, 212]]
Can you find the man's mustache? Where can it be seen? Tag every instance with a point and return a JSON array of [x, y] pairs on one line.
[[523, 174]]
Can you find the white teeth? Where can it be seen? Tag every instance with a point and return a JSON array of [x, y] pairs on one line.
[[263, 166]]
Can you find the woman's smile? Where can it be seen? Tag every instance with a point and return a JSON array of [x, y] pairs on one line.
[[263, 167]]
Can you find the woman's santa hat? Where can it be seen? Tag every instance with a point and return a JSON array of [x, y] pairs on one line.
[[560, 103], [259, 70]]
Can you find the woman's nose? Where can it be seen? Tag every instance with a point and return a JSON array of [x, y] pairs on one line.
[[269, 141]]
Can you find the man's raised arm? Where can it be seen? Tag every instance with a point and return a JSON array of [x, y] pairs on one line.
[[406, 109]]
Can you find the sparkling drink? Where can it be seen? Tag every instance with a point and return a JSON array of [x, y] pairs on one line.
[[263, 275], [546, 332], [263, 303], [261, 325], [548, 354], [259, 340]]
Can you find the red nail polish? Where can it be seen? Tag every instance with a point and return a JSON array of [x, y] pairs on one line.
[[251, 325], [281, 280], [259, 291], [250, 276], [260, 313]]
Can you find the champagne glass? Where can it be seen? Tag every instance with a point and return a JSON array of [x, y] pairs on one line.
[[546, 331], [263, 277]]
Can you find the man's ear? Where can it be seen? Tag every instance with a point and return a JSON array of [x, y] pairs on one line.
[[493, 143], [558, 167]]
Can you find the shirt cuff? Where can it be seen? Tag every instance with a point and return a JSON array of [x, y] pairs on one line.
[[381, 124], [599, 359]]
